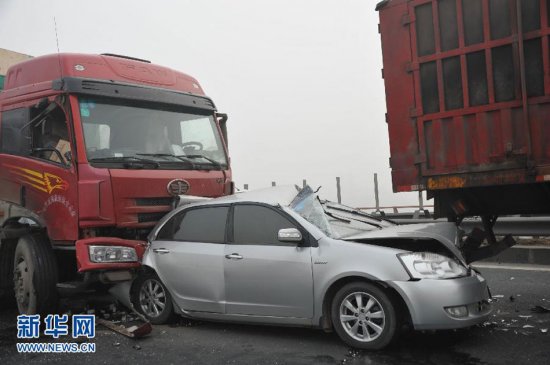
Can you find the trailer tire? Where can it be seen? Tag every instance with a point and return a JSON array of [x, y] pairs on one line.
[[35, 275]]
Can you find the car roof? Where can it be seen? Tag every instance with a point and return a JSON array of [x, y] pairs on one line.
[[278, 195]]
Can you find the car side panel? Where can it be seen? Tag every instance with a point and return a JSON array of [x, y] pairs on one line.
[[269, 281], [192, 272]]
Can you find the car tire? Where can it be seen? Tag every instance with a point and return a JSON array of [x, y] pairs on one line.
[[151, 298], [35, 275], [364, 316]]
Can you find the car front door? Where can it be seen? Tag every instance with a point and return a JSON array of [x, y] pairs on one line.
[[188, 255], [263, 276]]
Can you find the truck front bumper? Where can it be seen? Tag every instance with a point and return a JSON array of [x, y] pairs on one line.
[[445, 304]]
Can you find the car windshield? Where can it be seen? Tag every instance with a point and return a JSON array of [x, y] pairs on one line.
[[335, 220], [307, 205], [123, 130]]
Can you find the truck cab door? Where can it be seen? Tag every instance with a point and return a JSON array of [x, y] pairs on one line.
[[38, 175]]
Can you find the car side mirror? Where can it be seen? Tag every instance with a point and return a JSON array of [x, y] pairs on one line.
[[290, 235]]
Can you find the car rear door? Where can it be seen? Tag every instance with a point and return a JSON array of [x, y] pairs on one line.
[[188, 255], [263, 276]]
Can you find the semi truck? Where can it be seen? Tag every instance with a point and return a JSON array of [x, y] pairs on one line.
[[94, 150], [468, 104]]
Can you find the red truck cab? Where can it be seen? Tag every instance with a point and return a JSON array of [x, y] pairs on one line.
[[94, 150]]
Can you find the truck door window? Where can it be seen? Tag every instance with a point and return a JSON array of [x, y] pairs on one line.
[[49, 134], [15, 137]]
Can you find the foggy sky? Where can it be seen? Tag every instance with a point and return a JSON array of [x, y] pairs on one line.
[[300, 80]]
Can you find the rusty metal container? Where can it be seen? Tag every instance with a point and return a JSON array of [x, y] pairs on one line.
[[468, 102]]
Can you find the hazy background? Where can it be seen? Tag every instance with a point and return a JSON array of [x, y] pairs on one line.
[[300, 80]]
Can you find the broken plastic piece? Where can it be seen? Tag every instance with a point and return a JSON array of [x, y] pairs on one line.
[[132, 332]]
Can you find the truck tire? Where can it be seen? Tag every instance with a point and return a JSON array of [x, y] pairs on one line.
[[35, 275], [364, 316], [7, 250]]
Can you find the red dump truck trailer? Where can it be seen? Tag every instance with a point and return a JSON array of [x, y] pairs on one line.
[[468, 103], [94, 150]]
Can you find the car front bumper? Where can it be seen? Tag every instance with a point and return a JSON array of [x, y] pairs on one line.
[[427, 300]]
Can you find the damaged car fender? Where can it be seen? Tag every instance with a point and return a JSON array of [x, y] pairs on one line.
[[364, 262]]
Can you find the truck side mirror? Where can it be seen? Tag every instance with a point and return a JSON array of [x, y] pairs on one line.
[[41, 105], [68, 156], [222, 119]]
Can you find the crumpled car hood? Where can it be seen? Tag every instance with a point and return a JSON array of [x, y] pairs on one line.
[[446, 233]]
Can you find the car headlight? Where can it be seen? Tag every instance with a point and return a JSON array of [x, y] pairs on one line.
[[427, 265], [102, 254]]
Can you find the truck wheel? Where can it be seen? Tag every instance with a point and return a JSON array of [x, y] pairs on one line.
[[364, 316], [152, 299], [35, 275], [7, 250]]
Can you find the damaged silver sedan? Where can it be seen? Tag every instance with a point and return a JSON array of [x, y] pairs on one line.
[[282, 256]]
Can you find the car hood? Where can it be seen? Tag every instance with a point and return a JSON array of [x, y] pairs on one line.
[[445, 233]]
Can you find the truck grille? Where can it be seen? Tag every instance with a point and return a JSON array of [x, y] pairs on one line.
[[148, 202], [150, 217]]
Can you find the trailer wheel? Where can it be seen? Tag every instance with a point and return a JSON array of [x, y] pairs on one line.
[[35, 275]]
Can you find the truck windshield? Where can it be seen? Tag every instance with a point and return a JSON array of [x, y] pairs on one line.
[[121, 130]]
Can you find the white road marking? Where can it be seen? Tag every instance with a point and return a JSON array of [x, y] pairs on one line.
[[524, 267]]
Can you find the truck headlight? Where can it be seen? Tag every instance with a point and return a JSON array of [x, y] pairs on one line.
[[427, 265], [100, 254]]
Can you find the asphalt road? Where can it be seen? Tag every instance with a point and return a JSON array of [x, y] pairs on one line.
[[502, 341]]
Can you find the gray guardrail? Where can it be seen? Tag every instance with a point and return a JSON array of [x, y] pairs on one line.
[[516, 226]]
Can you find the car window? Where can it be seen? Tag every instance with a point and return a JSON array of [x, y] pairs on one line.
[[257, 225], [197, 225]]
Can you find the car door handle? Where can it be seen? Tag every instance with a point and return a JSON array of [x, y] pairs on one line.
[[234, 256], [161, 250]]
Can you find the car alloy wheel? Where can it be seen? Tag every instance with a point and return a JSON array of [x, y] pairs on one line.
[[152, 298], [362, 316]]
